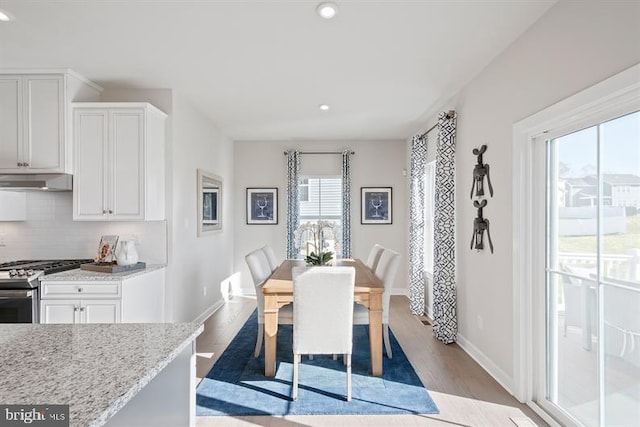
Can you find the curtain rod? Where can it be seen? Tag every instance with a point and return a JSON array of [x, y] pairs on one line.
[[319, 152], [422, 135], [450, 114]]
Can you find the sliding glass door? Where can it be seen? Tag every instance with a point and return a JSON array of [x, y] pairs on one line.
[[592, 293]]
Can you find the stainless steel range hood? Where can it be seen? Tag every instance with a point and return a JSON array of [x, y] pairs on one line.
[[40, 182]]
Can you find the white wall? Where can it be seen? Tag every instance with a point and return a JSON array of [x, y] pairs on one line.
[[197, 265], [573, 46], [375, 164]]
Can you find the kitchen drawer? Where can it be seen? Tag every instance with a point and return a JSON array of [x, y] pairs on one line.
[[51, 290]]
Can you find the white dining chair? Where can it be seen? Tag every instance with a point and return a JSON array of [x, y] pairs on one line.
[[323, 315], [260, 271], [374, 256], [271, 257], [386, 271]]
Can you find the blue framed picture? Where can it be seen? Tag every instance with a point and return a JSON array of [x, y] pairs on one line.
[[262, 206], [376, 205]]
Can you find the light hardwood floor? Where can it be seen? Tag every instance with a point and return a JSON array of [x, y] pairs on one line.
[[465, 394]]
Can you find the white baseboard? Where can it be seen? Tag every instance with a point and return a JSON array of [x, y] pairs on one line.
[[492, 369], [209, 311]]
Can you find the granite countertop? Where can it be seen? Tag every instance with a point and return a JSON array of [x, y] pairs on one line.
[[94, 368], [85, 275]]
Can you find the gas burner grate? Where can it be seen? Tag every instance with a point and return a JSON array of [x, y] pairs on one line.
[[47, 266]]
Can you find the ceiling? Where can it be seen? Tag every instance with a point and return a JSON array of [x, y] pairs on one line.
[[260, 69]]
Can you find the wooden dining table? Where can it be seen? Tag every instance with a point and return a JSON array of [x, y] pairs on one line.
[[278, 292]]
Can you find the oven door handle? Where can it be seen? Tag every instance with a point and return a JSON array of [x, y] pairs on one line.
[[16, 294]]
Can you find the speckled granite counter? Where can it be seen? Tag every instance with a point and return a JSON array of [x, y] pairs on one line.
[[84, 275], [95, 368]]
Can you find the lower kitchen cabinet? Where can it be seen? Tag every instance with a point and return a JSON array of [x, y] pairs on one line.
[[80, 311], [137, 299]]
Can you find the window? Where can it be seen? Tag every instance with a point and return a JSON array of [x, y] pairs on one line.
[[321, 199], [429, 205]]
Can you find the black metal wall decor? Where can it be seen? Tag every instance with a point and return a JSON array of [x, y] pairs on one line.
[[479, 172], [480, 223]]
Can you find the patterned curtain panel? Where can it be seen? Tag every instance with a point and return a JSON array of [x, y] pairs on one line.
[[293, 201], [346, 204], [416, 224], [445, 323]]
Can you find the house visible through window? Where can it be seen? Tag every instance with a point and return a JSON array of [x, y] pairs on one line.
[[320, 200]]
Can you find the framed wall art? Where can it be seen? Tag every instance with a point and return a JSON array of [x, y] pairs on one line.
[[376, 205], [262, 206], [209, 193]]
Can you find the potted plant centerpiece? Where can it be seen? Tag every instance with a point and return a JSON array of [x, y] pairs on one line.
[[314, 235]]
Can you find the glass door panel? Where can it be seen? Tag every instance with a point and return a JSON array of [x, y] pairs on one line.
[[572, 212], [593, 273], [620, 284]]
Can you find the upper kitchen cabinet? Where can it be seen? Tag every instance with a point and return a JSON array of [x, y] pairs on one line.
[[119, 161], [35, 119]]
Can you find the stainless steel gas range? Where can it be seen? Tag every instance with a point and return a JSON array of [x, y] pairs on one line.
[[19, 287]]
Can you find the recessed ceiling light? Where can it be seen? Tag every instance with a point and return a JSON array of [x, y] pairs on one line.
[[4, 16], [327, 10], [324, 107]]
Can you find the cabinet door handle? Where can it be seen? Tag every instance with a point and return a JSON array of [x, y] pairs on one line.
[[79, 289], [76, 308], [104, 211], [110, 211], [19, 164], [81, 308], [25, 164]]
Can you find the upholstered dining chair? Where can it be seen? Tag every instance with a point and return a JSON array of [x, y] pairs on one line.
[[260, 271], [386, 271], [374, 256], [271, 257], [315, 330]]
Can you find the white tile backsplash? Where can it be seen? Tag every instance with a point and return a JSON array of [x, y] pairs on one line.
[[49, 232]]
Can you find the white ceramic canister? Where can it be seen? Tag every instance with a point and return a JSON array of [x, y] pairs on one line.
[[127, 253]]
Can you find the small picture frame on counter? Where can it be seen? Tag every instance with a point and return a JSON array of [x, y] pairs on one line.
[[106, 249]]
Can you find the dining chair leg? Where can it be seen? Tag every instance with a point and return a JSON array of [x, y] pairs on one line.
[[348, 378], [256, 352], [385, 336], [296, 362]]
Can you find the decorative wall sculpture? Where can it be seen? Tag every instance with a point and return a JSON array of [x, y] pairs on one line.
[[480, 223], [479, 172]]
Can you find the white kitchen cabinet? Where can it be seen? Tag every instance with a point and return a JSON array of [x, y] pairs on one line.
[[119, 161], [35, 121], [135, 299], [80, 311]]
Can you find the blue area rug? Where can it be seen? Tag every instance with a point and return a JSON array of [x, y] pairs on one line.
[[236, 384]]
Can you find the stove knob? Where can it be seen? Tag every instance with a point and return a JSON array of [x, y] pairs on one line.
[[13, 273], [30, 272], [21, 273]]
